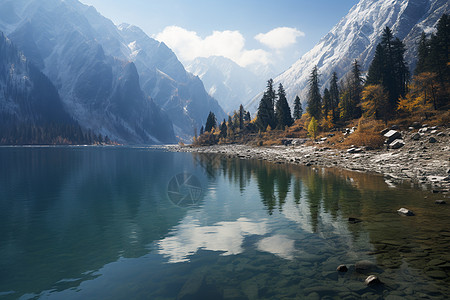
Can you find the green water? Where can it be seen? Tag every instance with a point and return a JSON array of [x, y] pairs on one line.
[[101, 223]]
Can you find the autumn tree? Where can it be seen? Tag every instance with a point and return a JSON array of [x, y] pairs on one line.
[[313, 128], [375, 102], [389, 68]]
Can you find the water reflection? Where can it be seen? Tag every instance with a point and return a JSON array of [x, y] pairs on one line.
[[67, 211], [97, 223]]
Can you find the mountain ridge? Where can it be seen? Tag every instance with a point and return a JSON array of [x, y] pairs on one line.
[[355, 36]]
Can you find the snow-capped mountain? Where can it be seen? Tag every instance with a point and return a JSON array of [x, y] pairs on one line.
[[105, 74], [356, 37], [229, 83]]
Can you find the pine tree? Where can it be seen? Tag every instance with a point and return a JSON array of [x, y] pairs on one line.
[[423, 53], [326, 99], [241, 116], [298, 110], [223, 129], [247, 117], [202, 130], [314, 98], [389, 68], [283, 111], [231, 126], [210, 122], [266, 113], [356, 86], [334, 97]]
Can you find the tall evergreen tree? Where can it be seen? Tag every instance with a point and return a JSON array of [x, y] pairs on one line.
[[266, 113], [241, 116], [326, 100], [223, 129], [210, 122], [247, 117], [314, 98], [283, 111], [356, 86], [389, 68], [423, 53], [202, 130], [334, 97], [298, 110]]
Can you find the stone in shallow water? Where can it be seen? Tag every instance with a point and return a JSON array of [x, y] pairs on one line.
[[437, 274], [405, 212], [372, 280], [436, 262], [352, 220], [440, 202], [342, 268], [365, 265]]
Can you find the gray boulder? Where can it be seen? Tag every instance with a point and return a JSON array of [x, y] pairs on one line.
[[416, 125], [384, 131], [354, 150], [440, 202], [416, 136], [392, 135], [397, 144], [432, 140]]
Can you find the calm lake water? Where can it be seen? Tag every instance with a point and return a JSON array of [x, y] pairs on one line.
[[141, 223]]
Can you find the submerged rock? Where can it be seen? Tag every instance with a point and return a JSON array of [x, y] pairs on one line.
[[405, 212], [440, 202], [342, 268], [432, 140], [354, 220], [364, 266], [372, 280]]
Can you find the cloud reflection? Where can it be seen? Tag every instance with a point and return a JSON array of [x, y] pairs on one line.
[[190, 236], [279, 245]]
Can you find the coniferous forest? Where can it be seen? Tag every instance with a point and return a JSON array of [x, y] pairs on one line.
[[385, 93]]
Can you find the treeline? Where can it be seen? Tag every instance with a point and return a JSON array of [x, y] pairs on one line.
[[48, 134], [387, 92]]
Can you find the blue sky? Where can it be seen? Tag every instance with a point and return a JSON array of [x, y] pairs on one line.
[[247, 31]]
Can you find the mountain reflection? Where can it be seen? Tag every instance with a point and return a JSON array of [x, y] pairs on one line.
[[68, 211]]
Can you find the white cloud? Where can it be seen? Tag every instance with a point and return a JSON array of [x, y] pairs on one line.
[[188, 45], [279, 38]]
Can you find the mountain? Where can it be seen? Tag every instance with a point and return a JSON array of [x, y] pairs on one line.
[[229, 83], [106, 74], [356, 36], [26, 95], [31, 111], [163, 77]]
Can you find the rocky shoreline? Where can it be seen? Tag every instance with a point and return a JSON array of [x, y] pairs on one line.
[[422, 159]]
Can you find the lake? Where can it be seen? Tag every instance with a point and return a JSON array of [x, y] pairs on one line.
[[143, 223]]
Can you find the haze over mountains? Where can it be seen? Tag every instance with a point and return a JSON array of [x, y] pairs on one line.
[[228, 82], [356, 37], [105, 74]]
